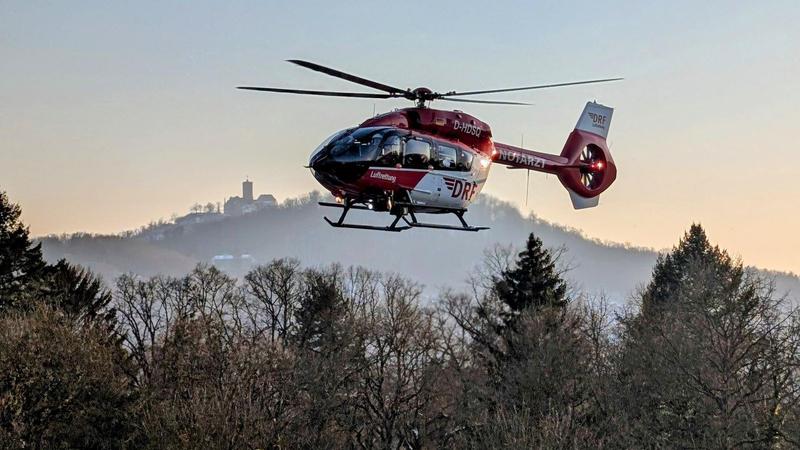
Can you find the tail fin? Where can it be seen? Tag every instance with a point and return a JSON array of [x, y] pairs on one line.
[[590, 169]]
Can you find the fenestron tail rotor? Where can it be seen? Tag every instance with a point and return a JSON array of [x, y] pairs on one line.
[[591, 162], [419, 95]]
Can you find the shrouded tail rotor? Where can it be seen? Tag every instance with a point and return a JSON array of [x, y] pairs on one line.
[[590, 169]]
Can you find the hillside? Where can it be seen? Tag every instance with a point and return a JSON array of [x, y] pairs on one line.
[[436, 258]]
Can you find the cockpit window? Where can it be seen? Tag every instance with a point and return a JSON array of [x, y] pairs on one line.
[[417, 154], [391, 149], [451, 157], [464, 160], [445, 157]]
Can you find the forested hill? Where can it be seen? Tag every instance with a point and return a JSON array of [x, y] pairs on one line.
[[434, 257]]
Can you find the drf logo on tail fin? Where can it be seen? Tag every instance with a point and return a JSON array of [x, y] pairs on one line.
[[461, 189], [598, 120]]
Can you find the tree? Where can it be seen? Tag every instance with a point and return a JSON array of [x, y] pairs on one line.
[[710, 360], [504, 293], [273, 291], [401, 398], [673, 270], [321, 311], [62, 386], [26, 279], [329, 358], [21, 262], [538, 360], [78, 294], [532, 283]]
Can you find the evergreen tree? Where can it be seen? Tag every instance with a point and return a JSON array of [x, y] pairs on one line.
[[25, 277], [77, 293], [321, 310], [21, 262], [676, 270], [533, 282], [709, 339]]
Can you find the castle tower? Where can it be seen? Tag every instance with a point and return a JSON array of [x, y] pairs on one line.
[[247, 191]]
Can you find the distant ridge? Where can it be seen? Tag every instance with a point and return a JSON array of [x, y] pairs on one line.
[[438, 259]]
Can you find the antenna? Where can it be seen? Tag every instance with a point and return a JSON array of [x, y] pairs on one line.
[[527, 186]]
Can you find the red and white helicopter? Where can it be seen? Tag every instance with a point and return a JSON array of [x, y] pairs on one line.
[[422, 160]]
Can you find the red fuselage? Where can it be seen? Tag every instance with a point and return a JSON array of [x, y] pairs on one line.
[[429, 157], [441, 159]]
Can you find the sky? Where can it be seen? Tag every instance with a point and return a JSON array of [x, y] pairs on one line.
[[114, 114]]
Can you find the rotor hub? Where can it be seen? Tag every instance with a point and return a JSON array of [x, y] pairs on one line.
[[422, 95], [423, 92]]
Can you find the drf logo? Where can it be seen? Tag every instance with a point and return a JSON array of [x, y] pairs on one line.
[[461, 189], [598, 120]]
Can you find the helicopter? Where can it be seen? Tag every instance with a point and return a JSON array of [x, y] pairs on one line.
[[421, 160]]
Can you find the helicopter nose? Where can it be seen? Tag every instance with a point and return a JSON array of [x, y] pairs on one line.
[[318, 161]]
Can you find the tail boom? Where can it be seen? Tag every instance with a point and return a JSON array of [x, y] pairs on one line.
[[520, 158], [584, 167]]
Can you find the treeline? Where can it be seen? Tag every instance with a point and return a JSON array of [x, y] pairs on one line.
[[705, 356]]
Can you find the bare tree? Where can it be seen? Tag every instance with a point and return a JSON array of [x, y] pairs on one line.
[[273, 298], [402, 394]]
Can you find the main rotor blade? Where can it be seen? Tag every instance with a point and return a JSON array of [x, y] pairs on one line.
[[324, 93], [348, 77], [490, 102], [541, 86]]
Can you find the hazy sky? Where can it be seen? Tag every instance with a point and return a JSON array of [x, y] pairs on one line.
[[113, 114]]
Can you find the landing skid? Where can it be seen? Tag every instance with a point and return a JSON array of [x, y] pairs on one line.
[[464, 225], [407, 213], [347, 206]]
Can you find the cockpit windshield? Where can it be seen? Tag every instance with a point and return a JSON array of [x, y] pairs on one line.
[[328, 141], [359, 146], [390, 147]]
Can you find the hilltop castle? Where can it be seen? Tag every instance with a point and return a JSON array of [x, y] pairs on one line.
[[238, 206]]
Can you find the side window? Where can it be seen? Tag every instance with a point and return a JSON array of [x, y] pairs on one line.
[[368, 150], [417, 154], [464, 160], [391, 150], [446, 157]]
